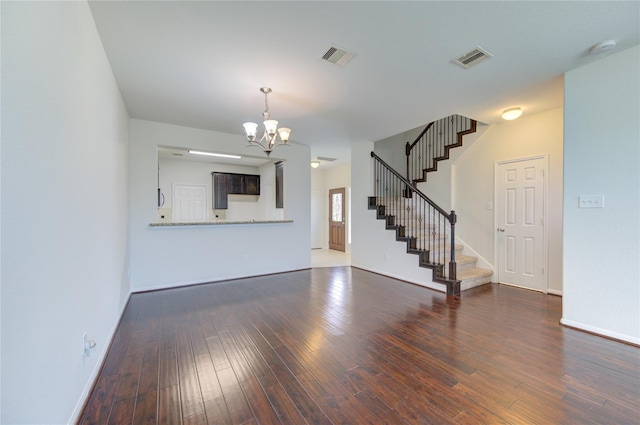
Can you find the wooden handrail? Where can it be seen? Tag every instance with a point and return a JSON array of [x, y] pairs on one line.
[[413, 187], [434, 149]]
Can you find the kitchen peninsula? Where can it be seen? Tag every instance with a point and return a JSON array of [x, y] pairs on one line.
[[219, 222]]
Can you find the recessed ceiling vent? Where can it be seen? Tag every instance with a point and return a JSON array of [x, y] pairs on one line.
[[338, 55], [324, 158], [473, 58]]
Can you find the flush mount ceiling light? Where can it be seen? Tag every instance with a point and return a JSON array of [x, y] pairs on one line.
[[315, 164], [220, 155], [269, 139], [511, 113]]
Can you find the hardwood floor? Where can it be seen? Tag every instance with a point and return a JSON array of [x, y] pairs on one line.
[[345, 346]]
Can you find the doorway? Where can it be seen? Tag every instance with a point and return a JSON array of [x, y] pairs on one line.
[[336, 219], [520, 243]]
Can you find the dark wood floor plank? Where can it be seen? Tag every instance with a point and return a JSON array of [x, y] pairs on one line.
[[345, 346], [146, 408], [190, 393], [122, 412], [377, 407], [149, 373], [283, 406], [217, 353], [169, 406], [237, 405], [99, 405], [217, 412]]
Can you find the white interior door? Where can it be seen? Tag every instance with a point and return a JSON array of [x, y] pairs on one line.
[[189, 203], [520, 217]]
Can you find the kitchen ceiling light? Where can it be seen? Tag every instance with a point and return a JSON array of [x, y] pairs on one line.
[[221, 155], [269, 139], [315, 164], [511, 113]]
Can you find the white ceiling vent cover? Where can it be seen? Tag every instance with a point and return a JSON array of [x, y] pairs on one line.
[[338, 55], [473, 58]]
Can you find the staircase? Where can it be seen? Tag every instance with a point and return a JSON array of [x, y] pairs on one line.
[[426, 228]]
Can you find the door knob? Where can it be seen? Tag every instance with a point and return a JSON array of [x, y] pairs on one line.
[[500, 229]]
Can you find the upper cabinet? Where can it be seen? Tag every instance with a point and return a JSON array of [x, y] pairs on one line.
[[233, 184]]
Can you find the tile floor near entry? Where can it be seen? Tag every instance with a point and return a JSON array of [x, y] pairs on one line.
[[329, 258]]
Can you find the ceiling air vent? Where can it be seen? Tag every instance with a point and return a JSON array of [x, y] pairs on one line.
[[338, 55], [473, 58], [325, 158]]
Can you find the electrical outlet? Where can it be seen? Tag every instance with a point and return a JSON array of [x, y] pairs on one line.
[[88, 346]]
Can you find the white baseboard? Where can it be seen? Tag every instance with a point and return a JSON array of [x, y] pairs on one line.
[[599, 331], [554, 292], [77, 411]]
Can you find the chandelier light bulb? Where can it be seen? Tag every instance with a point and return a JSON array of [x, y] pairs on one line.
[[271, 126], [284, 134], [251, 129]]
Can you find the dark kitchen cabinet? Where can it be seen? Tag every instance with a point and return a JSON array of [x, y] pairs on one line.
[[220, 191], [279, 184], [225, 184]]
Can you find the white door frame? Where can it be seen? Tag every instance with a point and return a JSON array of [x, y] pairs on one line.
[[545, 189]]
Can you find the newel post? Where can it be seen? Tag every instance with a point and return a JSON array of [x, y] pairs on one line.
[[452, 263]]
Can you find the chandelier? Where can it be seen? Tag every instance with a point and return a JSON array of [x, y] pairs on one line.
[[269, 140]]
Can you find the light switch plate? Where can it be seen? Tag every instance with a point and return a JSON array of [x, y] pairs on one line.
[[591, 201]]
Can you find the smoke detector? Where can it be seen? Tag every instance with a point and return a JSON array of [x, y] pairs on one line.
[[602, 47], [338, 55], [472, 58]]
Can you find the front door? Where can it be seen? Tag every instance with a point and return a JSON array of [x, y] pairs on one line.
[[336, 219], [520, 217], [189, 203]]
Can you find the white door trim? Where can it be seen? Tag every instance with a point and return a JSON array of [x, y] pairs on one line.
[[545, 186]]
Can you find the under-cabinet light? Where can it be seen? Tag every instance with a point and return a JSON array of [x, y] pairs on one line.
[[221, 155]]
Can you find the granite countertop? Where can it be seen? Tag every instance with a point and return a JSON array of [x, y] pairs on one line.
[[219, 222]]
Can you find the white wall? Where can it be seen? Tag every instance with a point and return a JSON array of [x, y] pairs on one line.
[[473, 183], [392, 150], [602, 153], [169, 256], [65, 255]]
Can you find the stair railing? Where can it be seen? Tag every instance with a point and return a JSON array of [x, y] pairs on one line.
[[428, 229], [433, 145]]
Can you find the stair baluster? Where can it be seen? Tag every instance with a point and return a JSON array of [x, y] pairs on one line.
[[433, 145]]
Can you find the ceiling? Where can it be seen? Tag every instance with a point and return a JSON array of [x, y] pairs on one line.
[[201, 63]]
